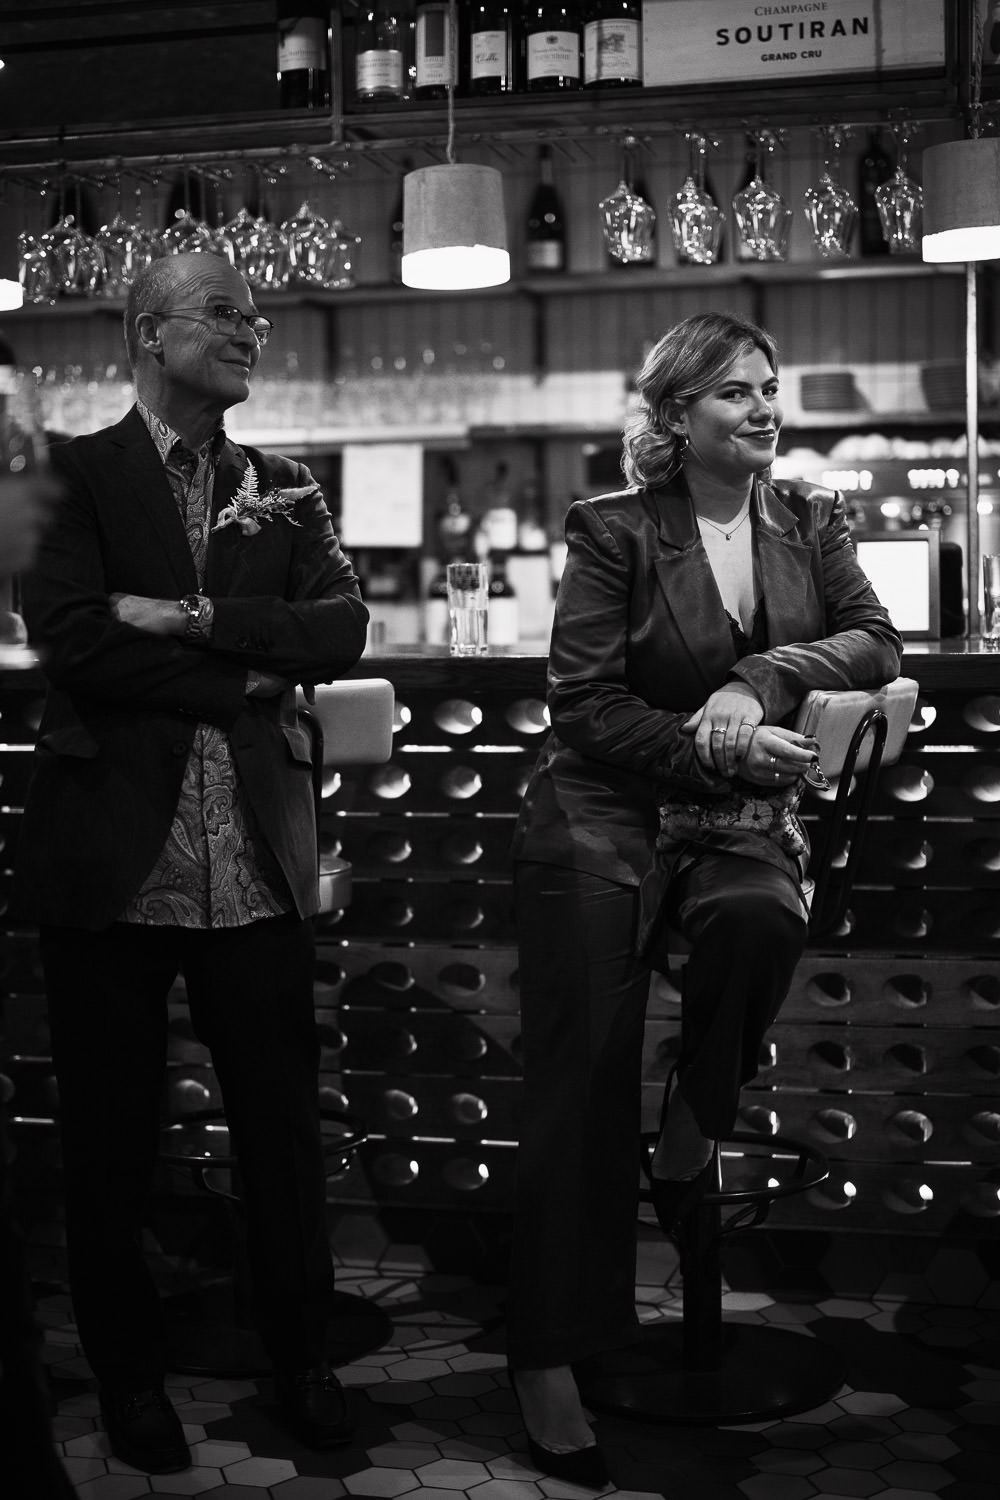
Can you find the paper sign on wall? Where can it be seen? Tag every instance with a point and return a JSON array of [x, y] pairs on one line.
[[713, 41], [382, 495]]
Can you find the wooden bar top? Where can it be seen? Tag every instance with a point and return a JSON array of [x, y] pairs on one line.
[[954, 665]]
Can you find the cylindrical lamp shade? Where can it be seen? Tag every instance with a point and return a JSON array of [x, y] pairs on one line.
[[962, 200], [454, 229], [11, 295]]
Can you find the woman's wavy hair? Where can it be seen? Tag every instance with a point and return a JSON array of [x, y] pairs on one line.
[[686, 361]]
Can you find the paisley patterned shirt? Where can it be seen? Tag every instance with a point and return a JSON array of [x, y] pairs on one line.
[[215, 869]]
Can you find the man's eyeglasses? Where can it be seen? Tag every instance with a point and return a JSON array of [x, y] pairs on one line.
[[227, 318]]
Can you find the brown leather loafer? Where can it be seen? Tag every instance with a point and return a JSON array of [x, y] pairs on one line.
[[315, 1406], [143, 1429]]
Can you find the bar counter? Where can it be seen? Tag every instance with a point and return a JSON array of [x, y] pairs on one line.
[[886, 1054]]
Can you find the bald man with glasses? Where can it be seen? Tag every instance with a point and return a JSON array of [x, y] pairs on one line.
[[183, 589]]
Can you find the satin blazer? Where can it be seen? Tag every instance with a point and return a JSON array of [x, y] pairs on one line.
[[123, 704], [641, 639]]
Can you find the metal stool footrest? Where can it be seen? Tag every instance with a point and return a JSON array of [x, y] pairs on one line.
[[209, 1329], [703, 1370]]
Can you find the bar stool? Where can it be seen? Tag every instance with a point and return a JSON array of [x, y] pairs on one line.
[[705, 1370], [210, 1330]]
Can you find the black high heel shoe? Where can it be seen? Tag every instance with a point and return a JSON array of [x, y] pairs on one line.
[[584, 1466], [673, 1198]]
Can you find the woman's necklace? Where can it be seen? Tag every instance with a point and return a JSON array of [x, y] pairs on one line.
[[727, 531]]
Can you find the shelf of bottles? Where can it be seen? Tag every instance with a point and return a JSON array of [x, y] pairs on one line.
[[561, 64], [375, 74]]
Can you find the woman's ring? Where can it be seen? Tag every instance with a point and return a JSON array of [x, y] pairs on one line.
[[777, 775], [774, 761], [718, 731]]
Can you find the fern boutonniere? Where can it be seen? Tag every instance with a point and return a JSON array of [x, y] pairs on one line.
[[249, 507]]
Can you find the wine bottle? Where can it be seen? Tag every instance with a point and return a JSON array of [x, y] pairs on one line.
[[545, 236], [504, 628], [494, 542], [875, 166], [454, 527], [379, 71], [612, 44], [436, 55], [490, 63], [552, 45], [303, 54]]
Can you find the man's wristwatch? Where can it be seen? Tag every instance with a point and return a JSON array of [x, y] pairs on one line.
[[200, 612]]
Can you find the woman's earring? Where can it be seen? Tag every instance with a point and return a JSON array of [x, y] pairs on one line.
[[683, 444]]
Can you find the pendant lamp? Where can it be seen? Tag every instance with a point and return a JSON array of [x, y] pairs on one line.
[[962, 200], [11, 295], [962, 223], [454, 229]]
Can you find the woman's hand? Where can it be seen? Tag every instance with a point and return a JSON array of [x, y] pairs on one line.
[[731, 740], [724, 727], [776, 756]]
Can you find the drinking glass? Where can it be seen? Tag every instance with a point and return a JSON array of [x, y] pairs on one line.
[[468, 596], [830, 209], [627, 219], [762, 216], [696, 220], [990, 638], [900, 201]]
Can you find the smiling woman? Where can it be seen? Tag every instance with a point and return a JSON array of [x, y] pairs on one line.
[[696, 609]]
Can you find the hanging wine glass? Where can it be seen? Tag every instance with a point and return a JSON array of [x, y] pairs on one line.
[[147, 244], [240, 233], [830, 209], [218, 239], [627, 219], [342, 257], [268, 262], [306, 234], [336, 247], [117, 241], [696, 220], [900, 201], [76, 262], [267, 257], [34, 270], [763, 218], [186, 231]]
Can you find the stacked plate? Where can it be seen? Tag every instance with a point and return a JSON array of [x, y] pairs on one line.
[[829, 390], [943, 385]]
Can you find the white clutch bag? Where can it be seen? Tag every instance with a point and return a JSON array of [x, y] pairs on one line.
[[832, 717]]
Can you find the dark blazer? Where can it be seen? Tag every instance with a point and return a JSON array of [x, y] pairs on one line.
[[641, 639], [123, 704]]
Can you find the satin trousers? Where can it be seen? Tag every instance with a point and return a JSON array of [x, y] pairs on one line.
[[583, 1003], [250, 996]]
